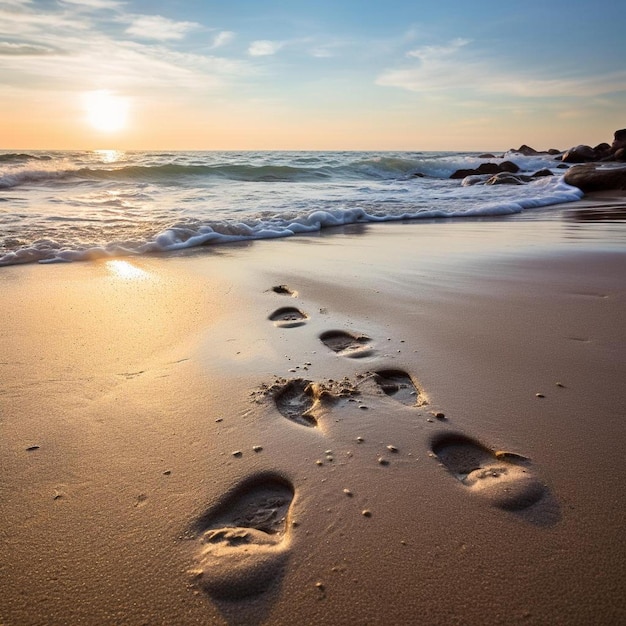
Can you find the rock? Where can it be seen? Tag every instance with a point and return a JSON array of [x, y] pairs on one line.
[[580, 154], [541, 173], [463, 173], [481, 179], [619, 140], [620, 155], [487, 168], [602, 147], [487, 155], [509, 166], [505, 178], [526, 150], [592, 177], [554, 151]]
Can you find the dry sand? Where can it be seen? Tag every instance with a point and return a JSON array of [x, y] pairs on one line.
[[424, 427]]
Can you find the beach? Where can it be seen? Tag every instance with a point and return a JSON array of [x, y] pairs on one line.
[[399, 423]]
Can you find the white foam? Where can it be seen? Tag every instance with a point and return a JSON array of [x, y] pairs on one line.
[[89, 219]]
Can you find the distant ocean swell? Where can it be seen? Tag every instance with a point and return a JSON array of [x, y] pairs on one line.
[[61, 207]]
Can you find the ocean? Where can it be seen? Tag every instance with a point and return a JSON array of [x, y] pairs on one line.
[[62, 206]]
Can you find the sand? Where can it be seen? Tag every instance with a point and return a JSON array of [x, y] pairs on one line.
[[398, 424]]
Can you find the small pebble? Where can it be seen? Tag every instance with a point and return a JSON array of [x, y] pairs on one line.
[[219, 419], [392, 448], [439, 415], [257, 448], [539, 395], [383, 461], [319, 462], [363, 407], [320, 586], [31, 448], [348, 492], [328, 452], [167, 472], [560, 385], [366, 513], [237, 453], [360, 440]]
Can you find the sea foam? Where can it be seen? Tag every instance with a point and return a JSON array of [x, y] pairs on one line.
[[62, 207]]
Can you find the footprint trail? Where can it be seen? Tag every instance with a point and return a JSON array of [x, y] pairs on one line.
[[288, 317], [503, 479], [347, 344], [245, 539]]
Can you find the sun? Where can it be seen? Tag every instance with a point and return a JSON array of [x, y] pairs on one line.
[[106, 111]]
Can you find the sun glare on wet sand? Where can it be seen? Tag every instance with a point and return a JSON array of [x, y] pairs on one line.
[[126, 270], [105, 111]]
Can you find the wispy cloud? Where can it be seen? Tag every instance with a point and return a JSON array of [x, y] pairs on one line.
[[64, 51], [264, 47], [94, 4], [23, 49], [159, 28], [454, 67], [430, 54], [222, 38], [16, 3]]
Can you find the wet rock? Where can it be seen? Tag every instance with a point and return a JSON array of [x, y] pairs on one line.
[[580, 154], [487, 168], [592, 177]]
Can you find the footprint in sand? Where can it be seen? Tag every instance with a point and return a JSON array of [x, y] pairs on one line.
[[288, 317], [283, 290], [245, 539], [502, 478], [295, 400], [398, 385], [347, 344]]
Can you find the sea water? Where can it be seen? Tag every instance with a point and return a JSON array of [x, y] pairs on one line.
[[69, 206]]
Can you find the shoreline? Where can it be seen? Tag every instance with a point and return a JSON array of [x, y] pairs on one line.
[[125, 394]]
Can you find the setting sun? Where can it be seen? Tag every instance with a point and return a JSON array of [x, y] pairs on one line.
[[106, 111]]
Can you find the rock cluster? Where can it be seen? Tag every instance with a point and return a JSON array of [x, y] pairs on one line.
[[596, 177], [599, 168], [594, 168], [487, 168], [602, 152]]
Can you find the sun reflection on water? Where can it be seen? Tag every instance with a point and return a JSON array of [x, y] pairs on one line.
[[126, 271], [109, 156]]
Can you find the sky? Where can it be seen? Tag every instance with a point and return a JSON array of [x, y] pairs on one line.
[[322, 75]]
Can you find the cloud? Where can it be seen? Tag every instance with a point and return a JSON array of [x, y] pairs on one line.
[[222, 38], [94, 4], [448, 69], [24, 23], [16, 3], [159, 28], [62, 51], [428, 54], [23, 49], [264, 48]]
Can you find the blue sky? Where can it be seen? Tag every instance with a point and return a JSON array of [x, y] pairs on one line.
[[311, 75]]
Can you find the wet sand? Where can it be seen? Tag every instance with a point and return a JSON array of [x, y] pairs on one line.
[[401, 423]]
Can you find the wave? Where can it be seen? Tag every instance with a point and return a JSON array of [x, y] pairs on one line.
[[184, 235], [307, 169], [21, 157]]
